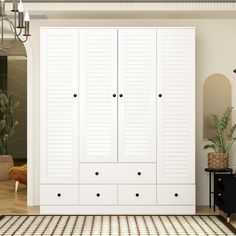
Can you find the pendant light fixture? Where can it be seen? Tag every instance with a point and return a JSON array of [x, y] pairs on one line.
[[19, 27]]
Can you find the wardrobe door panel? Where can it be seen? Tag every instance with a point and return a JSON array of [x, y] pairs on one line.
[[58, 106], [98, 95], [176, 106], [137, 95]]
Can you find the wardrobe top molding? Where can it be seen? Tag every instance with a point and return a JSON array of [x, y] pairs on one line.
[[127, 27]]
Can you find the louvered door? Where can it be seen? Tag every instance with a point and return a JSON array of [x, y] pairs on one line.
[[98, 95], [137, 95], [176, 105], [59, 107]]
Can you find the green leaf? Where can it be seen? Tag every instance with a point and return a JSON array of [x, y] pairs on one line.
[[7, 121], [232, 131], [5, 137], [17, 104], [15, 124], [11, 132], [2, 124], [226, 117], [209, 146]]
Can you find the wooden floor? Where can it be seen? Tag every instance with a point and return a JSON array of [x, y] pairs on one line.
[[12, 203]]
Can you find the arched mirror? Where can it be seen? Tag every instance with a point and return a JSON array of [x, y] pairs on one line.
[[13, 86], [217, 96]]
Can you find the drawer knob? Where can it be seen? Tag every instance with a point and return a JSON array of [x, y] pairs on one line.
[[59, 194], [114, 95], [139, 173], [176, 194], [96, 173], [98, 194], [121, 95], [219, 180], [137, 194], [160, 95], [219, 194], [75, 95]]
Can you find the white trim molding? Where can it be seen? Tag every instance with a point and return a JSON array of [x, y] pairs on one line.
[[127, 6], [30, 126]]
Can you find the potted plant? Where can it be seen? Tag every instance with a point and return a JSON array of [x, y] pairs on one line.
[[7, 128], [219, 159]]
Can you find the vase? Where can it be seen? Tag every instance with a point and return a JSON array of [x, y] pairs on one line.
[[6, 162], [218, 160]]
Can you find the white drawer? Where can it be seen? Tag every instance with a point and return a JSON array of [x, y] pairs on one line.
[[137, 194], [59, 195], [133, 173], [175, 194], [120, 173], [98, 195]]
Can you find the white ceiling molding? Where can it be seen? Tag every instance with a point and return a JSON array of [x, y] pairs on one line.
[[128, 1], [132, 10], [138, 6]]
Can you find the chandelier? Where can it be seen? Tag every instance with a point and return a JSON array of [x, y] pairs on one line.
[[18, 28]]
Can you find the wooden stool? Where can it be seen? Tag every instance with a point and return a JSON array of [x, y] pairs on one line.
[[19, 174]]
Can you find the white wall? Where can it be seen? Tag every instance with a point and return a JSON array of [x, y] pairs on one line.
[[215, 52]]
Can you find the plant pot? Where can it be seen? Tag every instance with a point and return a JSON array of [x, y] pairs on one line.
[[218, 160], [6, 162]]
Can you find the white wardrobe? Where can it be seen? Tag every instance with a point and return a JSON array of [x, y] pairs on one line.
[[117, 120]]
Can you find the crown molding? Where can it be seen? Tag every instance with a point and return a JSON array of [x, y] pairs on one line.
[[131, 6]]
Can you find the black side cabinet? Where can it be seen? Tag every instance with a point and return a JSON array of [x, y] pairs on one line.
[[225, 193]]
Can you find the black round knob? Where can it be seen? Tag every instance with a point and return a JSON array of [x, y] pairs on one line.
[[160, 95], [176, 194], [75, 95], [98, 194], [121, 95], [59, 195], [96, 173], [137, 194], [114, 95], [139, 173]]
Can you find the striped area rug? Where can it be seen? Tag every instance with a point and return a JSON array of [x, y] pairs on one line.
[[115, 225]]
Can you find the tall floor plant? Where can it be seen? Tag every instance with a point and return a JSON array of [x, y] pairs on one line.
[[7, 128], [7, 120]]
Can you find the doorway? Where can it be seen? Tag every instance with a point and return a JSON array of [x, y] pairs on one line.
[[13, 84]]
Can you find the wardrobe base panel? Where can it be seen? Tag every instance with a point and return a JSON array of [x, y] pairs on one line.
[[119, 210]]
